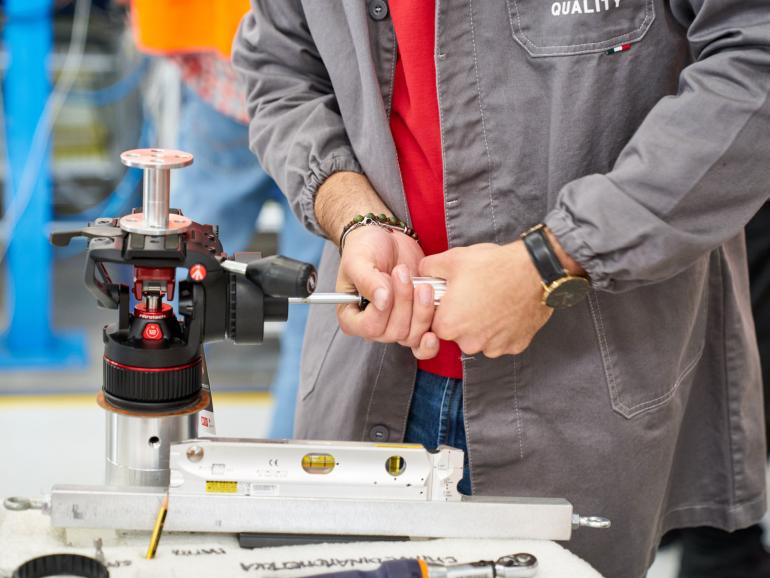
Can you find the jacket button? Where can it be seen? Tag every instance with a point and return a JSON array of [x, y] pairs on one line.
[[379, 433], [378, 9]]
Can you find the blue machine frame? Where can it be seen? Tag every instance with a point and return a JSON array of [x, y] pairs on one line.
[[29, 341]]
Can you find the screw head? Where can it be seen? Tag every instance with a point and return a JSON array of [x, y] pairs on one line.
[[523, 559], [195, 454], [379, 433]]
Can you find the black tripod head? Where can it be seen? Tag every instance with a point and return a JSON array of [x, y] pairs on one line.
[[152, 354]]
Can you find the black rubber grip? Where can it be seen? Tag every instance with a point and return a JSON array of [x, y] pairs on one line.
[[280, 276], [58, 564], [157, 386]]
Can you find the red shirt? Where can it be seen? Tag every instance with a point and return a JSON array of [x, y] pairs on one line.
[[414, 122]]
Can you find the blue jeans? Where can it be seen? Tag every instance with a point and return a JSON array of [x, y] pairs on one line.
[[436, 417], [226, 186]]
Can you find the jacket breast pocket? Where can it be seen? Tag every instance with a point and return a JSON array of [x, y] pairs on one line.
[[569, 27]]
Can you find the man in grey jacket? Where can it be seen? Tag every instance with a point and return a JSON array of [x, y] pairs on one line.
[[639, 135]]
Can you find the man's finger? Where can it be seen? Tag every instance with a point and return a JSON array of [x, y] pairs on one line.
[[369, 323], [444, 323], [400, 318], [376, 287], [436, 265], [470, 345], [422, 315], [428, 348], [369, 282]]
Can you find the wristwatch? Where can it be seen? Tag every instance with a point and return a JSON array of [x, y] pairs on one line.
[[561, 290]]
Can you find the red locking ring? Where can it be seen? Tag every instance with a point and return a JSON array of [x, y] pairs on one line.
[[198, 272]]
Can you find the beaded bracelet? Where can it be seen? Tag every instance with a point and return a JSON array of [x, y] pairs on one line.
[[389, 223]]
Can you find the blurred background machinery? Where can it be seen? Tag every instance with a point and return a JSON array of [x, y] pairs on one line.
[[76, 92]]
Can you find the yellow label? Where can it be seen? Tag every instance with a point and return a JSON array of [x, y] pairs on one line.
[[216, 487], [401, 446]]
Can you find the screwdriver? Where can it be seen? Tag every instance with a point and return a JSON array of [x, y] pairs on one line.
[[520, 565], [439, 288]]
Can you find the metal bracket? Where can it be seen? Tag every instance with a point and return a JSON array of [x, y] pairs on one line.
[[472, 517], [155, 218]]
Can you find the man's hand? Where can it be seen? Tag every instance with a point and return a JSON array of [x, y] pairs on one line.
[[493, 302], [378, 264]]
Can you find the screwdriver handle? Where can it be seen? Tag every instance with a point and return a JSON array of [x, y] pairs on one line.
[[388, 569], [439, 288]]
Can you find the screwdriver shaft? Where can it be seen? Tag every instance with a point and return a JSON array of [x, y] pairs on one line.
[[326, 299]]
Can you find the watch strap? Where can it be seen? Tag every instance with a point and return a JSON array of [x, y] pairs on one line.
[[543, 255]]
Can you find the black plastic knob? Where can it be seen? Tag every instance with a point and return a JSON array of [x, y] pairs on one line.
[[280, 276]]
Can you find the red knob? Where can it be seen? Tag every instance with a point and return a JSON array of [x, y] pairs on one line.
[[152, 332], [198, 272]]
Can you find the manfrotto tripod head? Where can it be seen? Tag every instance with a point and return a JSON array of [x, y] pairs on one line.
[[152, 356]]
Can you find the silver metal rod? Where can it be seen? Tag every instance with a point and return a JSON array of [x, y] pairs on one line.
[[340, 299], [155, 197], [326, 299], [235, 267], [596, 522]]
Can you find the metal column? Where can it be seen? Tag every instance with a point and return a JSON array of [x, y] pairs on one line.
[[29, 341]]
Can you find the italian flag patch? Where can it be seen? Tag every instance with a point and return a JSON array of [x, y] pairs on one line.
[[617, 49]]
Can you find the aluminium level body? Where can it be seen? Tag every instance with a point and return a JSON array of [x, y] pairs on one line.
[[332, 488], [315, 469]]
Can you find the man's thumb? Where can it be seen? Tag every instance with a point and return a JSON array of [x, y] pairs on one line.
[[371, 283]]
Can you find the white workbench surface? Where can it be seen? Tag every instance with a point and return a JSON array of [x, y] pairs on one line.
[[25, 535]]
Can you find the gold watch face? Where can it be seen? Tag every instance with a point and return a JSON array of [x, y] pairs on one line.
[[566, 292]]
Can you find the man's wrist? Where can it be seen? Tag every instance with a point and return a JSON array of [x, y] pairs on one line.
[[564, 281], [389, 223], [554, 252], [570, 265], [341, 197]]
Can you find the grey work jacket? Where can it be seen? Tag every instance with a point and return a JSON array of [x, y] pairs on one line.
[[643, 403]]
